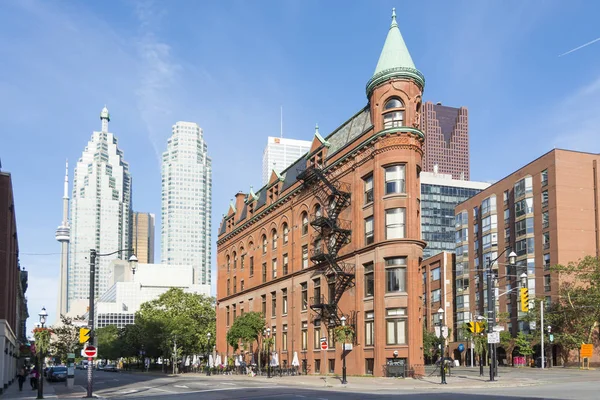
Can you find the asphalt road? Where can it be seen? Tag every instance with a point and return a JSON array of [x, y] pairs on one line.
[[556, 384]]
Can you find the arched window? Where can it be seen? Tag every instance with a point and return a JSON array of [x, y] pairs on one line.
[[228, 264], [264, 244], [393, 115], [317, 210], [274, 238], [304, 223], [234, 260], [242, 256], [286, 233]]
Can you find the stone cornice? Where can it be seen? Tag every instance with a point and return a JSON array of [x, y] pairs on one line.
[[398, 72]]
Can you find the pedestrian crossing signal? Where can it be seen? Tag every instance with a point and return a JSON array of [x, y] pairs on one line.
[[524, 299]]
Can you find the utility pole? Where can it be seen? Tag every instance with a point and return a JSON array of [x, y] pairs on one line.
[[90, 366], [471, 319], [491, 309], [542, 329]]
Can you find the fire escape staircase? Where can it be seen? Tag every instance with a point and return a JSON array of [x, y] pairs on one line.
[[332, 234]]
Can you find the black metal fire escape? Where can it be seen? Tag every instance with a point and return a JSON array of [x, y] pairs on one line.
[[332, 234]]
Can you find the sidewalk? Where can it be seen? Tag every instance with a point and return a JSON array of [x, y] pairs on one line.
[[13, 392]]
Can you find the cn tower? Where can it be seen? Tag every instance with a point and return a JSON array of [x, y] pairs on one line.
[[63, 235]]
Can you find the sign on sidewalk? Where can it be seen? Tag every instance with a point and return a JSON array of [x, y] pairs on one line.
[[493, 337]]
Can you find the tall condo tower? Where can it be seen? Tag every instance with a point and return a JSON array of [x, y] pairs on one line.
[[280, 153], [187, 201], [63, 235], [100, 213]]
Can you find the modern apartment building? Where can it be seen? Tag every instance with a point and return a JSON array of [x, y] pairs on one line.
[[100, 214], [280, 153], [547, 212], [446, 140], [335, 238], [142, 234], [439, 195], [13, 285], [187, 201]]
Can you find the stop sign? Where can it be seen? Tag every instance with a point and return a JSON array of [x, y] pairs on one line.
[[324, 345], [90, 351]]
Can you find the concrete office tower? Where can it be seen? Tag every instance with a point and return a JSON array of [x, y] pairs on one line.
[[142, 240], [280, 153], [439, 195], [186, 201], [100, 213], [446, 140], [63, 235]]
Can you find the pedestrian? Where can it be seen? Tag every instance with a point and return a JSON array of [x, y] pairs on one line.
[[21, 378], [33, 378]]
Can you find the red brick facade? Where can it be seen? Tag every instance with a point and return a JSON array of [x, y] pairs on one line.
[[277, 229]]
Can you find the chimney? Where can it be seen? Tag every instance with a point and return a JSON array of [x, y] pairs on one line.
[[439, 103], [239, 201]]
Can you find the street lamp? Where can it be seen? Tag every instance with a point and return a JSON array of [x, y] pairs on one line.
[[133, 263], [268, 352], [93, 255], [491, 305], [442, 371], [344, 381], [208, 353], [40, 394]]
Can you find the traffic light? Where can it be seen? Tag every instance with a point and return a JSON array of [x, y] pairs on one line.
[[524, 299], [84, 335], [478, 327]]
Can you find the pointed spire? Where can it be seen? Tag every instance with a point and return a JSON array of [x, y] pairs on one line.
[[66, 188], [395, 60], [105, 118], [317, 129]]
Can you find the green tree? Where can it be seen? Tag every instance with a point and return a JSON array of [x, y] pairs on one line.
[[176, 316], [574, 316], [65, 339], [508, 342], [246, 330], [524, 344], [109, 345], [430, 343]]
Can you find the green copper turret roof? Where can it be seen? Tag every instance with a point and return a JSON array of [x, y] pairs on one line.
[[395, 60]]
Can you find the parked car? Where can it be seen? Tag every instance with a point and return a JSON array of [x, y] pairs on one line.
[[100, 367], [57, 374], [111, 368], [81, 365]]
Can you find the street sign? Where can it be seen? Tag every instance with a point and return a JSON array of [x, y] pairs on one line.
[[347, 346], [445, 332], [84, 335], [498, 328], [551, 338], [437, 331], [324, 345], [587, 350], [493, 337], [90, 351], [461, 347]]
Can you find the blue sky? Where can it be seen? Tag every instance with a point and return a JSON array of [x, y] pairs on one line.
[[230, 65]]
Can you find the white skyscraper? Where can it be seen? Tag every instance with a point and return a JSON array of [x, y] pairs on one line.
[[187, 201], [280, 153], [100, 213]]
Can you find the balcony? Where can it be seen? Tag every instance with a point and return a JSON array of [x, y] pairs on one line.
[[544, 203], [546, 245]]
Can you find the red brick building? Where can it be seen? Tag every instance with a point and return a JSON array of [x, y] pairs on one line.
[[338, 234], [13, 284], [446, 140], [548, 213]]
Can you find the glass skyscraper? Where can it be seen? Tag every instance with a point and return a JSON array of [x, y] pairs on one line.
[[439, 195], [280, 153], [100, 214], [187, 201]]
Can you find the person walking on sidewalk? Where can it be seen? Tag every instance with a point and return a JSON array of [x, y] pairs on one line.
[[21, 378], [33, 378]]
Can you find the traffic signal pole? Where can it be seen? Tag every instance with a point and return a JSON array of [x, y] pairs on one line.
[[90, 379]]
